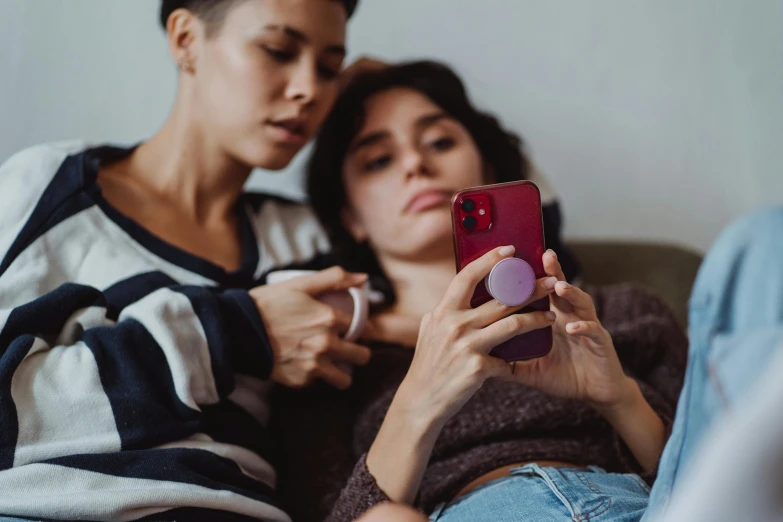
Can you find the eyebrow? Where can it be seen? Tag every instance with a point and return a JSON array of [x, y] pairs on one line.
[[374, 137], [299, 36]]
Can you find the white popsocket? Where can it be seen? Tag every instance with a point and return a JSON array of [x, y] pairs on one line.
[[512, 281]]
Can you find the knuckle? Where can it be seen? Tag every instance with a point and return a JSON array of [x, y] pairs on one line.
[[471, 270], [310, 366], [464, 346], [456, 326], [330, 319], [339, 272], [450, 321], [515, 322], [439, 313], [315, 343], [477, 366], [321, 343]]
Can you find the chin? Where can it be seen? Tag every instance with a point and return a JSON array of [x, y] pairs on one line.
[[435, 222], [266, 157], [433, 236]]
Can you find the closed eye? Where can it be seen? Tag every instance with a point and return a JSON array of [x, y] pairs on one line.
[[279, 55], [328, 73], [442, 144], [377, 164]]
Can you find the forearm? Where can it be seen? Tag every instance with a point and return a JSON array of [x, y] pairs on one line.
[[401, 450], [637, 423]]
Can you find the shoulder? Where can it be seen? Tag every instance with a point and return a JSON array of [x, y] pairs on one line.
[[40, 162], [25, 176]]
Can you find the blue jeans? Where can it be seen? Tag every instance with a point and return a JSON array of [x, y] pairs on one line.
[[736, 321], [539, 494]]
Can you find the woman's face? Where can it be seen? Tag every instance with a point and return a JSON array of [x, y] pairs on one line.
[[401, 171], [268, 77]]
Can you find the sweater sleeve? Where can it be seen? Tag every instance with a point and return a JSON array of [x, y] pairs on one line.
[[653, 349], [136, 378], [359, 495]]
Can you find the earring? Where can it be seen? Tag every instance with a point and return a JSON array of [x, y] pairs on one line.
[[185, 65]]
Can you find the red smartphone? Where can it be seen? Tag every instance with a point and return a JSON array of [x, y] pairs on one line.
[[486, 217]]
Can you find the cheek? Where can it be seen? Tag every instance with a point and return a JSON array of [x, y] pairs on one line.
[[375, 202], [462, 167], [241, 88]]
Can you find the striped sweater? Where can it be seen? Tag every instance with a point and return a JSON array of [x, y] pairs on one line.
[[133, 375]]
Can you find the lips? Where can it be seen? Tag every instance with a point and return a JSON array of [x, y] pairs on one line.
[[426, 200], [292, 130]]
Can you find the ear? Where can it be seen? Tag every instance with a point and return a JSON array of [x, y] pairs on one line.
[[354, 227], [185, 34]]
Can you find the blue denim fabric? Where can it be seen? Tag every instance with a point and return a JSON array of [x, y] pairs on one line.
[[736, 321], [544, 494]]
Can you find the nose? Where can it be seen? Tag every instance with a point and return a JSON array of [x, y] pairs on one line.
[[303, 86], [416, 165]]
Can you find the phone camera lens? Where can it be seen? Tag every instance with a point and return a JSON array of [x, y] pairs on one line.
[[468, 205], [470, 222]]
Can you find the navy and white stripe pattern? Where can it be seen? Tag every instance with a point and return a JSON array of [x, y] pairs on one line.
[[132, 374]]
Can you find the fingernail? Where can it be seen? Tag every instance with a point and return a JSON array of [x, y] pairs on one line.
[[573, 326], [359, 277], [550, 283], [552, 252], [551, 316], [566, 284], [507, 250]]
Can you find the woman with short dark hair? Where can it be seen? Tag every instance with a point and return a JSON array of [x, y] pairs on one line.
[[136, 340]]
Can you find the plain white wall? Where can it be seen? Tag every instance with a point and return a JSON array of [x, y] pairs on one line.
[[655, 119]]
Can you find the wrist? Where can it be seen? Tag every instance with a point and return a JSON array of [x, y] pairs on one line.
[[399, 455], [624, 403], [416, 417]]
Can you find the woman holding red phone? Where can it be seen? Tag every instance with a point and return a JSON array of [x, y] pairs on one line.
[[462, 435]]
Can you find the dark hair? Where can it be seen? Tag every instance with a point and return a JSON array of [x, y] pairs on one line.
[[500, 149], [213, 12]]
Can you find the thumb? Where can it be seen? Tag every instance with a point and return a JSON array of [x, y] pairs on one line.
[[331, 279]]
